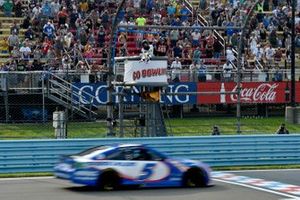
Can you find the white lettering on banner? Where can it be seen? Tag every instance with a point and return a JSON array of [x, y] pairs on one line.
[[81, 96], [265, 92], [147, 73], [135, 90], [118, 89], [101, 94], [177, 98], [126, 98], [169, 97], [187, 97]]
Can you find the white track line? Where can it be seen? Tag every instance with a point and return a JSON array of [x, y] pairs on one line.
[[260, 189], [26, 178], [262, 170], [288, 199]]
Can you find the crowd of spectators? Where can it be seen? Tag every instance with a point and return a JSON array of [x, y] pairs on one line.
[[74, 34], [268, 36], [62, 33]]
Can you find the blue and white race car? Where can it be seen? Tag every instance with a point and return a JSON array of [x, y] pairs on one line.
[[109, 167]]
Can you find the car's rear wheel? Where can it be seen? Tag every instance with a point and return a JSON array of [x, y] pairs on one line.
[[109, 181], [194, 177]]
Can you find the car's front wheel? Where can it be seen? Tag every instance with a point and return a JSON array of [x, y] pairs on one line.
[[194, 177], [109, 181]]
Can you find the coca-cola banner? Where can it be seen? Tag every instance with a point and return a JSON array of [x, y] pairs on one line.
[[251, 92]]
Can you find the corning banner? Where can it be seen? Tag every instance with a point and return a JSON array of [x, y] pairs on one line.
[[146, 73], [251, 92], [99, 91], [176, 98]]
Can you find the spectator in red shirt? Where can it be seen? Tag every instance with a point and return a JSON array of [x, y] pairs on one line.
[[62, 16], [161, 47], [187, 55], [46, 45]]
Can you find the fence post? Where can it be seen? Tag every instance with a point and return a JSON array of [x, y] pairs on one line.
[[6, 98], [43, 93]]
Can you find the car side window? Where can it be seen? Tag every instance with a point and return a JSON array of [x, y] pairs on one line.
[[156, 156], [116, 155], [136, 154], [128, 154], [141, 154]]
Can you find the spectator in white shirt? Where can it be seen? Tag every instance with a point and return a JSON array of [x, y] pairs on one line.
[[229, 54], [36, 11], [176, 67], [196, 38], [193, 71], [136, 3], [269, 52], [227, 70], [259, 54], [25, 51]]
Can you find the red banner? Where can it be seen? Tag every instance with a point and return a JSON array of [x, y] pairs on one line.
[[251, 92]]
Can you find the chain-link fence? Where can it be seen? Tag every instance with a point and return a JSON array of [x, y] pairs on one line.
[[27, 108]]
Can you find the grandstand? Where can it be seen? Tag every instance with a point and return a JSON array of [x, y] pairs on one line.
[[65, 37], [88, 26]]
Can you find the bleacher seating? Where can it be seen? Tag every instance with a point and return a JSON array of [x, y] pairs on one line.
[[95, 56]]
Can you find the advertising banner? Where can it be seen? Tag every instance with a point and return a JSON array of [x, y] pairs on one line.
[[99, 91], [153, 72], [251, 92]]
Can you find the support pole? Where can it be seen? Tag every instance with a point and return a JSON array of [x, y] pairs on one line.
[[293, 84], [291, 112], [7, 118], [239, 66], [110, 77], [121, 113], [43, 96]]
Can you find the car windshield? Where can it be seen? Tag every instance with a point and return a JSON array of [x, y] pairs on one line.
[[92, 150]]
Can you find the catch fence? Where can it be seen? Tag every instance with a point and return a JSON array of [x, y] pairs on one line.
[[27, 111]]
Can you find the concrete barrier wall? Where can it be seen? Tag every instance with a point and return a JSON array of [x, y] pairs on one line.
[[40, 155]]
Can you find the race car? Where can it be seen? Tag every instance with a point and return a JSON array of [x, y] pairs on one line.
[[110, 167]]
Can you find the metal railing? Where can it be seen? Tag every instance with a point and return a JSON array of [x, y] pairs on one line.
[[217, 35], [68, 95], [20, 82], [204, 22]]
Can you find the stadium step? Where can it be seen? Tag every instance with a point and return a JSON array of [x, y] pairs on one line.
[[2, 55], [7, 31], [195, 3], [11, 19], [3, 60], [2, 36]]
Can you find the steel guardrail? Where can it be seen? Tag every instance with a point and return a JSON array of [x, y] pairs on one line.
[[41, 155]]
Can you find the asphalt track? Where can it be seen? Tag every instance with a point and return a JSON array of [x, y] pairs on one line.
[[291, 176], [52, 189]]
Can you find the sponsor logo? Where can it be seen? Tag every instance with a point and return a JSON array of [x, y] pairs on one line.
[[121, 164], [264, 92], [147, 73], [100, 92]]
